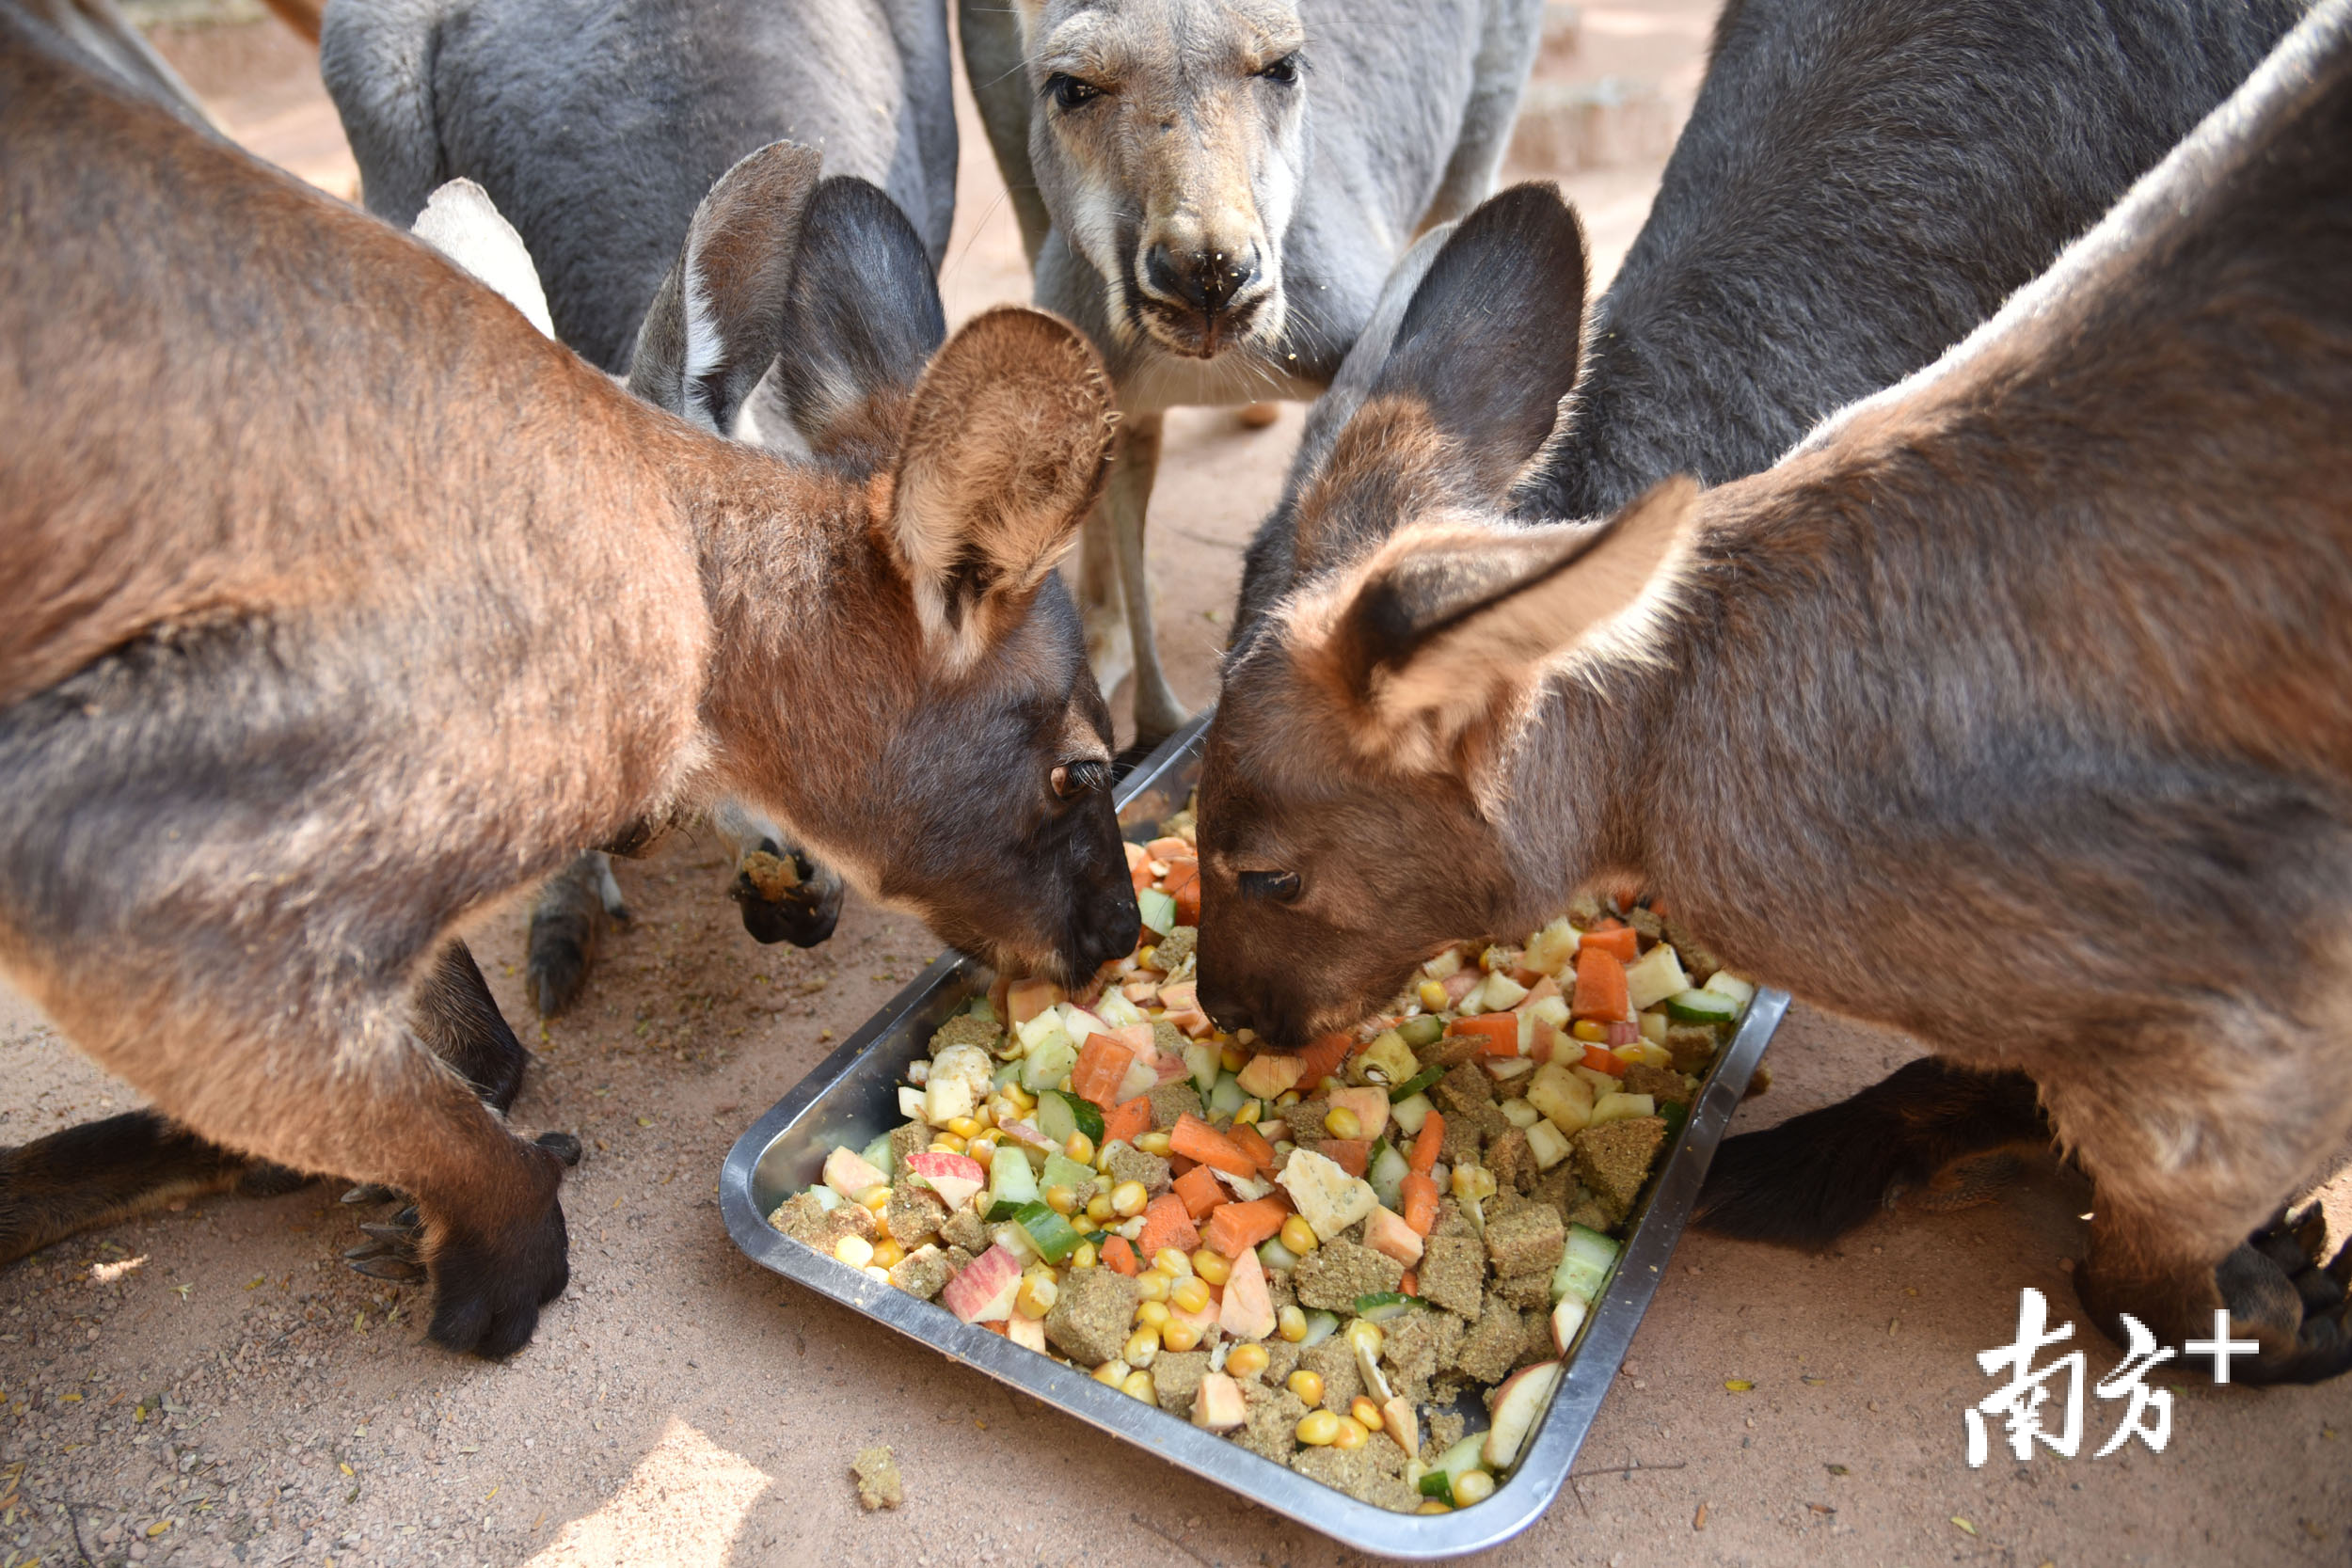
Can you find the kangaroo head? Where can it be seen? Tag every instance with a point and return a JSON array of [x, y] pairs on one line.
[[939, 738], [1169, 142], [1354, 795]]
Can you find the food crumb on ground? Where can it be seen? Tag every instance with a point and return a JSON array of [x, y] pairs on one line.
[[879, 1485]]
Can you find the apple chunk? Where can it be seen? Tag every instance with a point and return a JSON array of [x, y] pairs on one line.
[[1518, 1404], [847, 1172], [1566, 1319], [1247, 1309], [1218, 1407], [954, 1177], [983, 1292]]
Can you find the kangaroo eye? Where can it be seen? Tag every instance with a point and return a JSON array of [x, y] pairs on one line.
[[1281, 886], [1083, 777], [1067, 92], [1284, 71]]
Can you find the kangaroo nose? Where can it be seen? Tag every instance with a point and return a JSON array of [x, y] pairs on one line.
[[1205, 280]]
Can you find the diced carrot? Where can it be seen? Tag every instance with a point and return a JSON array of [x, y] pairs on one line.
[[1426, 1143], [1621, 942], [1196, 1139], [1600, 988], [1324, 1057], [1129, 1121], [1102, 1065], [1601, 1059], [1120, 1256], [1201, 1190], [1170, 849], [1410, 1284], [1352, 1155], [1167, 1223], [1420, 1203], [1183, 885], [1180, 1166], [1497, 1033], [1252, 1142], [1238, 1227]]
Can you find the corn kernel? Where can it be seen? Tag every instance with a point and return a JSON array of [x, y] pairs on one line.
[[1037, 1297], [1084, 1225], [1473, 1486], [967, 1128], [984, 1152], [1341, 1122], [1099, 1206], [1247, 1359], [1291, 1323], [1021, 1098], [1287, 1098], [889, 1254], [1064, 1084], [1433, 995], [948, 1143], [876, 1273], [1086, 1256], [1431, 1505], [856, 1251], [1179, 1335], [1366, 1336], [1153, 1314], [1364, 1413], [1145, 953], [1586, 1030], [1233, 1058], [1307, 1386], [1113, 1372], [1189, 1295], [1249, 1112], [1152, 1284], [985, 1114], [1127, 1200], [1472, 1182], [1318, 1428], [1351, 1433], [1061, 1199], [1299, 1236], [1153, 1143], [876, 1197], [1212, 1265], [1172, 1262], [1080, 1148], [1138, 1384], [1142, 1345]]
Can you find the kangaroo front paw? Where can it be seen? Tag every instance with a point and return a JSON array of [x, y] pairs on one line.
[[785, 897], [488, 1287]]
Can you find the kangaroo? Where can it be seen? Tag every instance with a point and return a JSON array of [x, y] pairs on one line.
[[343, 675], [2006, 710], [1220, 189], [554, 110]]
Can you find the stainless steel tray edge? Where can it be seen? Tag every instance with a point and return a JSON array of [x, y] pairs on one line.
[[778, 1155]]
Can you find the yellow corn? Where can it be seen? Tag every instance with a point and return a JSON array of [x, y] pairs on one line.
[[984, 1152], [1021, 1098], [1247, 1360], [1153, 1143], [1364, 1413], [1433, 995], [1061, 1199], [1291, 1323], [967, 1128], [1189, 1295], [1080, 1148], [1064, 1084], [1351, 1433], [1307, 1386], [1249, 1112], [1431, 1505], [1139, 1384], [1154, 1313], [1152, 1284], [1127, 1200], [1233, 1058], [948, 1143], [1084, 1225], [1341, 1122], [985, 1113], [1299, 1236], [1287, 1098], [1586, 1030], [856, 1251], [1318, 1429], [1173, 1263], [1366, 1336], [1210, 1264], [1473, 1486], [1145, 953], [1177, 1334], [1099, 1208], [1037, 1297], [1113, 1372], [889, 1254], [1085, 1257], [1142, 1345]]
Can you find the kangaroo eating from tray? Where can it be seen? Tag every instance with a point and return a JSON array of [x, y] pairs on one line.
[[277, 508], [2061, 625]]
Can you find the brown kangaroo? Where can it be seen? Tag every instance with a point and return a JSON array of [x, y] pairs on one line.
[[2008, 709], [365, 606]]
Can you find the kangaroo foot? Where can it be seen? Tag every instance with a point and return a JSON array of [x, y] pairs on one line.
[[393, 1248], [2281, 1297], [785, 896]]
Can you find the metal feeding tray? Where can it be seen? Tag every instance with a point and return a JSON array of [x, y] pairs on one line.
[[850, 1098]]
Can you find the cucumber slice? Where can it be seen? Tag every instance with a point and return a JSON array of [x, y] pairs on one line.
[[1320, 1326], [1702, 1006], [1411, 1110], [1456, 1463], [1584, 1268], [1062, 1171], [1009, 1073], [1675, 1113], [877, 1155], [1227, 1097], [1385, 1305], [1060, 1115], [1159, 910], [1425, 1030], [1274, 1256], [1051, 1234], [1201, 1062], [1011, 1187], [1048, 1062], [1387, 1173], [1416, 1084], [1728, 984], [981, 1008]]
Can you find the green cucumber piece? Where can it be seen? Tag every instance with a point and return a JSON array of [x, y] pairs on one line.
[[1060, 1115], [1385, 1305], [1584, 1267], [1456, 1463], [1410, 1112], [1202, 1060], [1052, 1235], [1158, 908], [1048, 1062], [1702, 1006], [877, 1154], [1226, 1097], [1387, 1173], [1425, 1030], [1416, 1084], [1011, 1187], [1274, 1256], [982, 1009], [1009, 1073], [1675, 1113], [1437, 1485], [1062, 1171], [1320, 1326]]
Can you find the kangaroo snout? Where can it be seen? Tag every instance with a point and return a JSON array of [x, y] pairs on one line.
[[1199, 295], [1207, 280]]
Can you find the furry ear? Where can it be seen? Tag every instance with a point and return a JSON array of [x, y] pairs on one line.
[[718, 317], [1453, 622], [1006, 444], [461, 222]]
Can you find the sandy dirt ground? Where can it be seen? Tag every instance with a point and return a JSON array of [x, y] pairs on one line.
[[211, 1386]]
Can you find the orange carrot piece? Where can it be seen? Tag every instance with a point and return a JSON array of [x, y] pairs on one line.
[[1167, 1222], [1183, 883], [1410, 1284], [1102, 1067], [1352, 1155], [1120, 1256], [1622, 944], [1238, 1227], [1324, 1057], [1180, 1166], [1426, 1143], [1128, 1121], [1420, 1203], [1252, 1142], [1196, 1139], [1601, 989], [1201, 1190], [1601, 1059], [1498, 1032]]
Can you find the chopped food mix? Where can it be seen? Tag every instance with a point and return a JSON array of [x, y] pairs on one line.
[[1315, 1253]]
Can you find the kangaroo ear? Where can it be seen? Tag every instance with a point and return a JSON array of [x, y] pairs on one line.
[[1453, 624], [462, 223], [864, 318], [1006, 444], [718, 317]]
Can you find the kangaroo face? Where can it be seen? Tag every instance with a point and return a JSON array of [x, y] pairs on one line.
[[1169, 144]]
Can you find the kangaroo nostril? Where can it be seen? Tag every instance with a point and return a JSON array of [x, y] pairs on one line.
[[1205, 280]]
